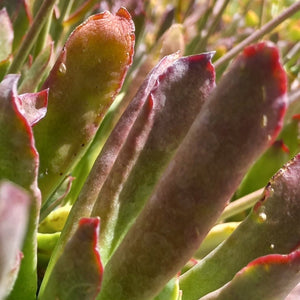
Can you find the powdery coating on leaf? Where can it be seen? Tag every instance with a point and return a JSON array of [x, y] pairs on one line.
[[272, 227], [226, 135], [178, 95], [105, 161]]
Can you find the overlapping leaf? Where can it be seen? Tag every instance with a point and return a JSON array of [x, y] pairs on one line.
[[19, 164], [269, 277], [104, 163], [78, 272], [272, 227], [202, 176], [177, 98]]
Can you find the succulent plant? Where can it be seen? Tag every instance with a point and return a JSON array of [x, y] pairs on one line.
[[150, 152]]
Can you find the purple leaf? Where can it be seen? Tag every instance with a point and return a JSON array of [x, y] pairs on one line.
[[178, 96], [104, 163], [227, 135], [78, 272], [272, 227]]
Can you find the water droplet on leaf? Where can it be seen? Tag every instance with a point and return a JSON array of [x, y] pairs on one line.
[[62, 68], [262, 217]]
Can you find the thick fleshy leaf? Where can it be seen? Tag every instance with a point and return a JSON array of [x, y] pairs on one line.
[[6, 35], [272, 227], [170, 43], [14, 209], [226, 135], [78, 272], [18, 157], [104, 163], [19, 164], [82, 85], [268, 277], [177, 99]]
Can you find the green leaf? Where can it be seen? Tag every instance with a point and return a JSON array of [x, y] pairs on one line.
[[14, 209], [82, 85], [272, 227], [19, 164], [268, 277], [78, 272], [227, 136]]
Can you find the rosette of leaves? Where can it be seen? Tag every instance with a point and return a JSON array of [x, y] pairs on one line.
[[126, 155]]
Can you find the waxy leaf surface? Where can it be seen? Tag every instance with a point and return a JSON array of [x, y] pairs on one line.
[[226, 135], [78, 272], [105, 161], [272, 227], [177, 98], [19, 164], [14, 208], [269, 277], [82, 85]]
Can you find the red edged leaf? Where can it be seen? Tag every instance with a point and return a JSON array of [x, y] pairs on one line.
[[19, 164], [267, 277], [18, 156], [82, 85], [14, 209], [272, 227], [78, 272], [188, 80], [105, 161], [226, 135]]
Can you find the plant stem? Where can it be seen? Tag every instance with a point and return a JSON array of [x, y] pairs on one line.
[[240, 205], [31, 36], [258, 34]]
